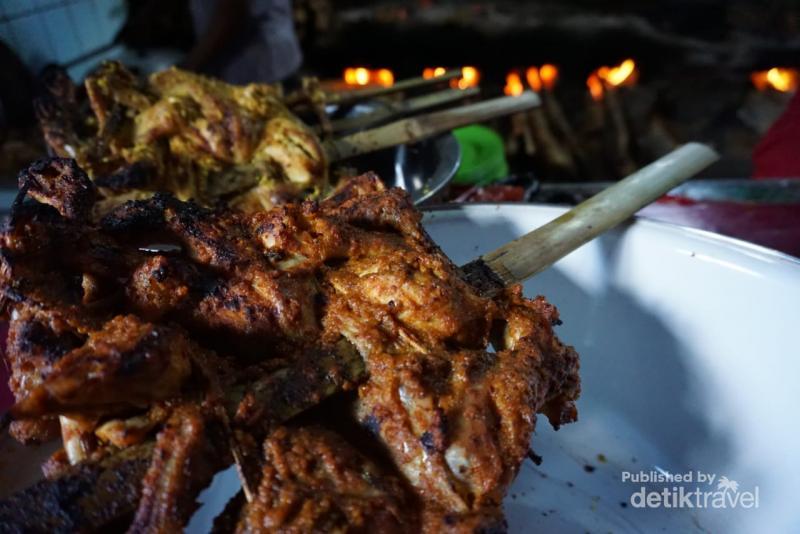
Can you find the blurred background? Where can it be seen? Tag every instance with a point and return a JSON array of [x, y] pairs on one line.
[[623, 83]]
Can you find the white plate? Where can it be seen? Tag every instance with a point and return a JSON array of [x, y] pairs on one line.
[[689, 359]]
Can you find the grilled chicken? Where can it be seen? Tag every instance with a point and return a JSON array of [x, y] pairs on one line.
[[89, 497], [457, 423], [314, 481], [128, 363], [190, 449], [195, 137], [205, 329]]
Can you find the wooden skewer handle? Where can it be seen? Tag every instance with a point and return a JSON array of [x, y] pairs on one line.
[[530, 254], [421, 127], [349, 97], [404, 108]]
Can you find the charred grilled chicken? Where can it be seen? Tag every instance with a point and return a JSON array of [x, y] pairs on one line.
[[193, 136], [200, 333]]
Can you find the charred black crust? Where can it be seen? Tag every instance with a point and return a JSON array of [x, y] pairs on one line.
[[60, 183], [194, 222], [373, 424], [136, 215], [136, 358], [139, 175], [428, 441], [34, 337], [88, 497], [479, 275], [31, 211]]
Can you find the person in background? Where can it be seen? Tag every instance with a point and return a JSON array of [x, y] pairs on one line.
[[244, 41]]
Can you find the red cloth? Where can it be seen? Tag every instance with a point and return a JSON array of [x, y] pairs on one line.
[[777, 155], [776, 226], [488, 193]]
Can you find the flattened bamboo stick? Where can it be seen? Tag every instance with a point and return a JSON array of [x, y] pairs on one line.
[[400, 109], [351, 96], [530, 254], [423, 126]]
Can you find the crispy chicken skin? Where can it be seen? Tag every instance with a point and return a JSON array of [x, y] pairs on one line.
[[180, 132], [189, 450], [458, 423], [89, 497], [314, 481], [208, 329], [127, 363]]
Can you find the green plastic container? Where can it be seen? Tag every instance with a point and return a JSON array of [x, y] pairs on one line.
[[483, 157]]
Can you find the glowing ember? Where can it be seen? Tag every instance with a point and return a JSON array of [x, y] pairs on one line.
[[433, 72], [534, 78], [595, 87], [542, 77], [384, 77], [364, 76], [514, 85], [549, 74], [470, 76], [779, 79], [623, 74]]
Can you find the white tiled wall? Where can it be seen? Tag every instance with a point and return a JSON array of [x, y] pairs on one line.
[[57, 31]]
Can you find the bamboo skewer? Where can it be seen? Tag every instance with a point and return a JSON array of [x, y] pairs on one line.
[[400, 132], [521, 135], [550, 148], [349, 97], [406, 107], [555, 114], [618, 137], [532, 253], [421, 127]]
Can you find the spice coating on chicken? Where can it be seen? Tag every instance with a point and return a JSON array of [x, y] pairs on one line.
[[188, 452], [242, 321], [458, 423], [314, 481], [180, 132], [127, 363]]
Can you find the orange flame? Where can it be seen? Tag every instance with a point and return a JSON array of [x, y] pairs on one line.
[[534, 78], [549, 74], [542, 77], [514, 85], [432, 72], [595, 87], [384, 77], [364, 76], [356, 76], [625, 73], [779, 79], [470, 76]]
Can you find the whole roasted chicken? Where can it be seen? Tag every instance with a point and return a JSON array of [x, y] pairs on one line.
[[193, 136], [329, 349]]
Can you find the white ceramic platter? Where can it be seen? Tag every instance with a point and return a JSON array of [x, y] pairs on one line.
[[689, 361]]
